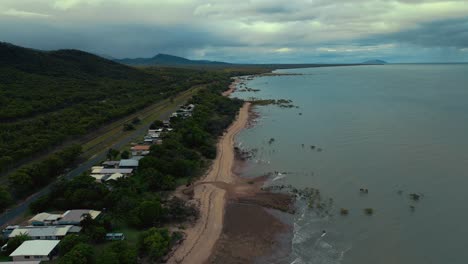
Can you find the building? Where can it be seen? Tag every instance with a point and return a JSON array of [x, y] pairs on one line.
[[43, 219], [125, 172], [128, 164], [7, 231], [35, 250], [140, 150], [114, 177], [45, 232], [111, 164], [74, 217]]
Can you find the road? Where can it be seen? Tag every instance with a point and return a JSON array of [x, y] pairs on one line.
[[14, 213]]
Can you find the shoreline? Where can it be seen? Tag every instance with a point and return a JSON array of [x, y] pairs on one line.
[[222, 196], [210, 195]]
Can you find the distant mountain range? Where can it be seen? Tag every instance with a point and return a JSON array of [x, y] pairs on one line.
[[380, 62], [165, 59]]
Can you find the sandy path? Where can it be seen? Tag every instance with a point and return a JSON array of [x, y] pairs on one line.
[[202, 237]]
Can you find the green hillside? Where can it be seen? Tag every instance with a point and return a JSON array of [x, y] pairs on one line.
[[49, 97]]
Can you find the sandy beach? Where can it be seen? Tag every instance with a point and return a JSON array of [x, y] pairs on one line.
[[221, 193], [210, 194]]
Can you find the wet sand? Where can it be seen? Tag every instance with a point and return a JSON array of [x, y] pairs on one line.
[[231, 210]]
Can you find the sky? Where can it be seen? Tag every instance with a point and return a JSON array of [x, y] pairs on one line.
[[245, 31]]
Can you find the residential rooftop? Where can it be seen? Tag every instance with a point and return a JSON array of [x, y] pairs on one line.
[[35, 248]]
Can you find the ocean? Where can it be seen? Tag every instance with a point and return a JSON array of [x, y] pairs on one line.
[[399, 131]]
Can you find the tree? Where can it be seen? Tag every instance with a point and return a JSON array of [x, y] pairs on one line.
[[154, 242], [69, 242], [5, 199], [126, 253], [128, 127], [15, 242], [80, 254], [125, 154], [112, 154], [136, 121], [156, 124], [149, 213], [108, 256]]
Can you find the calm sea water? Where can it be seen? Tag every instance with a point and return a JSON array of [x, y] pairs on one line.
[[393, 129]]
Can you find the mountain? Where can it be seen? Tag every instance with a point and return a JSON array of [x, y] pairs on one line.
[[64, 64], [380, 62], [169, 60]]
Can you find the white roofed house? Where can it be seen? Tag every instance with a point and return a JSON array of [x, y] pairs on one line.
[[43, 219], [45, 232], [35, 250]]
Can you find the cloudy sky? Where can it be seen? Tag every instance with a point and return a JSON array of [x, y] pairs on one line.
[[267, 31]]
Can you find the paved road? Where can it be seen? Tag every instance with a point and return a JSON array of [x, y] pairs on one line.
[[20, 209]]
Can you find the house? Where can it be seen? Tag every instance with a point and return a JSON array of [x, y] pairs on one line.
[[99, 177], [128, 164], [115, 236], [110, 164], [45, 232], [96, 169], [35, 250], [44, 219], [112, 171], [7, 231], [74, 217], [114, 177], [140, 150]]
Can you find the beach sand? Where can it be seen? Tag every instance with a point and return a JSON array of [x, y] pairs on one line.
[[231, 208]]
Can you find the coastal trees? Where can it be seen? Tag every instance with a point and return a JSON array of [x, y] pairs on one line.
[[5, 198], [69, 242], [15, 242], [31, 177], [154, 243], [79, 254]]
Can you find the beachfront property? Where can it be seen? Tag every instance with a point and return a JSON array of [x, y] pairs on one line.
[[141, 150], [44, 219], [74, 217], [70, 217], [45, 232], [34, 251], [111, 164], [128, 164], [7, 231], [184, 111], [102, 174]]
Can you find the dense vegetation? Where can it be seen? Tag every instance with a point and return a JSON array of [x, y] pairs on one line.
[[49, 97], [142, 201]]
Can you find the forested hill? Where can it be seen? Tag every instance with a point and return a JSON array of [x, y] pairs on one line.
[[64, 63], [170, 60], [49, 97]]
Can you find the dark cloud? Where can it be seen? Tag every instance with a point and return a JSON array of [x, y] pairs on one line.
[[115, 40], [447, 33]]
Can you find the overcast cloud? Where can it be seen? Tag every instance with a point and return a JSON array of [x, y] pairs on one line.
[[245, 30]]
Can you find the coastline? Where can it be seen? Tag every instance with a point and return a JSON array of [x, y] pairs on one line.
[[224, 199], [210, 195]]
